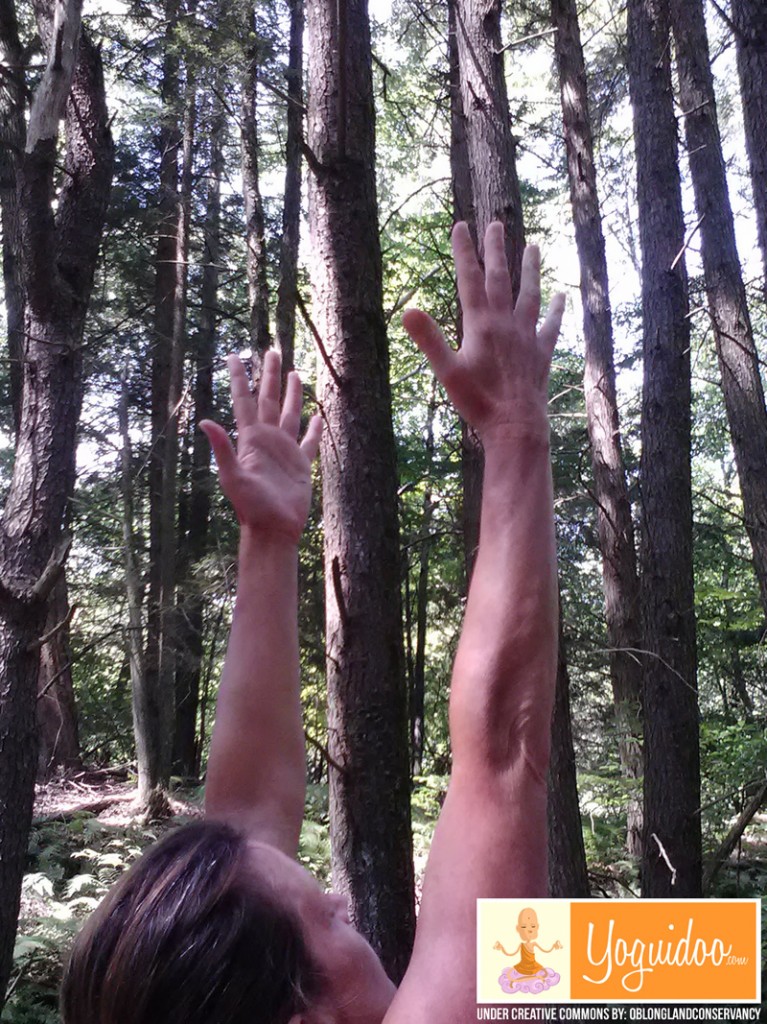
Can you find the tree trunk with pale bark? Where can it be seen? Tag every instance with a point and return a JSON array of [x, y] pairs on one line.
[[58, 257], [725, 290], [255, 221], [616, 530], [671, 854], [287, 287], [749, 21], [367, 696]]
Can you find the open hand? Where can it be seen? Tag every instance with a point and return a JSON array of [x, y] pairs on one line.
[[268, 479], [500, 374]]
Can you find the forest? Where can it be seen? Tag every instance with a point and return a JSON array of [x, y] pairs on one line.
[[184, 179]]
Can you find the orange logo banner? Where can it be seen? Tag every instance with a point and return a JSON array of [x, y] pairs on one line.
[[665, 949]]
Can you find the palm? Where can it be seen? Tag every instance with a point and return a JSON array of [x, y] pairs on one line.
[[269, 479], [273, 487]]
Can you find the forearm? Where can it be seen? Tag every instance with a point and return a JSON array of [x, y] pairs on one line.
[[256, 771], [505, 670]]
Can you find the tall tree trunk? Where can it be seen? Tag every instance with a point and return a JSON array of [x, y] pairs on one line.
[[58, 254], [141, 696], [418, 683], [616, 531], [489, 140], [56, 713], [167, 362], [568, 874], [727, 305], [56, 708], [191, 603], [463, 209], [495, 194], [749, 19], [367, 696], [12, 136], [671, 856], [255, 226], [171, 560], [287, 288]]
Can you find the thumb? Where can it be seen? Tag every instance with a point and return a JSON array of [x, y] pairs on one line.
[[226, 459], [431, 341]]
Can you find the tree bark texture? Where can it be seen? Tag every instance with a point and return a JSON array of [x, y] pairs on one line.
[[726, 292], [12, 138], [749, 18], [616, 530], [58, 256], [367, 696], [196, 541], [255, 224], [671, 856], [287, 288], [568, 874]]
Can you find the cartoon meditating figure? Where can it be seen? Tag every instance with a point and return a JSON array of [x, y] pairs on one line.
[[528, 975]]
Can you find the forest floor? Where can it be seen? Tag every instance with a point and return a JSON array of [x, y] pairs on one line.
[[108, 794]]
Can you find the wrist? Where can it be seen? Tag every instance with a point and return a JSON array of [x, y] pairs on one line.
[[264, 542], [525, 419]]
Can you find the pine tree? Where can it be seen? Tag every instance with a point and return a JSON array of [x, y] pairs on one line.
[[367, 697]]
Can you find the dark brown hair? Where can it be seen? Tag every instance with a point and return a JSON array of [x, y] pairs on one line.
[[190, 936]]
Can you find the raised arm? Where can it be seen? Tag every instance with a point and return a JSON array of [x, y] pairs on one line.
[[256, 775], [491, 836]]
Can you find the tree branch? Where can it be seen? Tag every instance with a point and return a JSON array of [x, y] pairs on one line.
[[316, 335], [35, 645]]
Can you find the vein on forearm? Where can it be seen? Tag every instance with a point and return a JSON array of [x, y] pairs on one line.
[[506, 662]]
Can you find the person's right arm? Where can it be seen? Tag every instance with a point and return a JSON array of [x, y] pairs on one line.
[[491, 837]]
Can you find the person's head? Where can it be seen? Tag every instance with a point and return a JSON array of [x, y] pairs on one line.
[[527, 924], [212, 928]]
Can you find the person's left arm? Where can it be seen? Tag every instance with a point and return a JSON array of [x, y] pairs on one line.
[[256, 777]]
